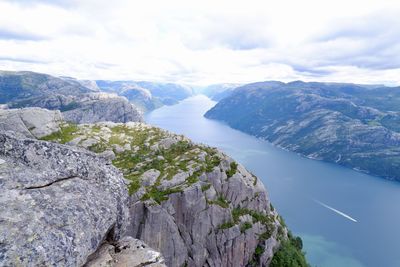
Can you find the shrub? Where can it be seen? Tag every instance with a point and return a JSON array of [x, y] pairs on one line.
[[232, 170], [205, 187], [226, 225], [290, 254], [245, 226]]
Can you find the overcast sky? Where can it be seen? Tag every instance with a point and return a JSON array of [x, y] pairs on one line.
[[203, 42]]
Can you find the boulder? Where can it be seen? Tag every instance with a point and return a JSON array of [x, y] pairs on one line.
[[58, 204], [30, 122]]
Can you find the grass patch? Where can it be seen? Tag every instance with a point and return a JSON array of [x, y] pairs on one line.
[[159, 195], [226, 225], [245, 226], [220, 201], [65, 135], [205, 187], [211, 162], [232, 170], [194, 178]]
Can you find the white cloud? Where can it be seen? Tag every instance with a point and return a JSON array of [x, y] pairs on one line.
[[204, 41]]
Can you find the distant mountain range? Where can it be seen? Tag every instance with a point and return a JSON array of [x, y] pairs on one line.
[[353, 125], [219, 91], [147, 95], [87, 101]]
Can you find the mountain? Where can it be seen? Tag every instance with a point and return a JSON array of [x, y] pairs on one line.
[[111, 190], [219, 91], [356, 126], [147, 95], [23, 86], [80, 101]]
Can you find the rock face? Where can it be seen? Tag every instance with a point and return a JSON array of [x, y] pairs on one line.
[[126, 252], [78, 103], [102, 107], [30, 122], [57, 203], [352, 125], [199, 227], [194, 204]]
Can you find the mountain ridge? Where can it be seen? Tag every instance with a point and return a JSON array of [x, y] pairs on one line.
[[356, 126]]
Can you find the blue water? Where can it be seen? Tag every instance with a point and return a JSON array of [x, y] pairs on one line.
[[344, 217]]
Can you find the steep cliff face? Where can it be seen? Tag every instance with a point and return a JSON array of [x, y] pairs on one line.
[[191, 202], [352, 125]]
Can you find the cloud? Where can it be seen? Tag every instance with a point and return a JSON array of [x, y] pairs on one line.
[[6, 34], [23, 60], [63, 3], [370, 42], [205, 41]]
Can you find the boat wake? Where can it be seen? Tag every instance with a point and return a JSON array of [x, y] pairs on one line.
[[335, 210]]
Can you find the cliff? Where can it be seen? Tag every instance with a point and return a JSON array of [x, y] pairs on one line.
[[190, 202]]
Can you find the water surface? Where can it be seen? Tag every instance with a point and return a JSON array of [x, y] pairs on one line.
[[344, 217]]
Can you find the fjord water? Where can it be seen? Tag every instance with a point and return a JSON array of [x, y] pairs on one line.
[[344, 217]]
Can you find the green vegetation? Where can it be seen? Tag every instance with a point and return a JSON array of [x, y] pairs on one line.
[[205, 187], [65, 135], [137, 149], [259, 251], [226, 225], [257, 216], [245, 226], [158, 195], [212, 162], [221, 201], [232, 170], [194, 178], [290, 253], [264, 219], [255, 261]]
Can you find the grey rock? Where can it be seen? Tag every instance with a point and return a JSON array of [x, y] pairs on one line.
[[177, 179], [30, 122], [126, 252], [98, 107], [185, 228], [167, 142], [108, 154], [57, 203], [150, 177]]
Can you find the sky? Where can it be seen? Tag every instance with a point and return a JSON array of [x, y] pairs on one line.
[[204, 42]]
